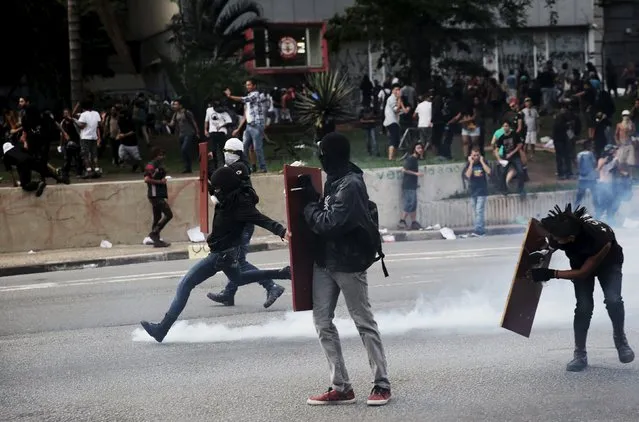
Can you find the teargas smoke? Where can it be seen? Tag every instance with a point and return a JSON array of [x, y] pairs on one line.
[[471, 311]]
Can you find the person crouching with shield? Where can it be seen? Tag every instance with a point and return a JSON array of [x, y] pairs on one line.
[[593, 251]]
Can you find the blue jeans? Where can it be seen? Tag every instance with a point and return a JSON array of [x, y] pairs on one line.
[[233, 285], [186, 147], [479, 206], [371, 141], [582, 187], [226, 261], [254, 135]]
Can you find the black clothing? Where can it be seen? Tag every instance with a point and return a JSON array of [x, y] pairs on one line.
[[335, 151], [593, 237], [409, 181], [162, 214], [509, 142], [340, 222], [127, 126], [478, 181], [155, 171], [231, 217]]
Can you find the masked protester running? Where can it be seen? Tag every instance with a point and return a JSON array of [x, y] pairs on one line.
[[342, 224], [234, 159], [15, 156], [234, 208], [593, 251]]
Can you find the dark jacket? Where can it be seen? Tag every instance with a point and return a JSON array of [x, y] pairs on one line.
[[232, 215], [338, 220]]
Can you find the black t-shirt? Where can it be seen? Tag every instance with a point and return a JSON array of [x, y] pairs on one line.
[[509, 142], [410, 181], [69, 128], [478, 181], [156, 171], [126, 125], [593, 237]]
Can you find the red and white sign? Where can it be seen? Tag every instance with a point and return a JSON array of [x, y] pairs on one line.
[[288, 47]]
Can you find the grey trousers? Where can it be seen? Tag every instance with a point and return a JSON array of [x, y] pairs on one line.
[[326, 289]]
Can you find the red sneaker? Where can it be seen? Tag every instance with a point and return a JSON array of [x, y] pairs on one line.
[[332, 397], [379, 396]]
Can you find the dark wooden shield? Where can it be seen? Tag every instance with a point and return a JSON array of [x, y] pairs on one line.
[[523, 299], [302, 239]]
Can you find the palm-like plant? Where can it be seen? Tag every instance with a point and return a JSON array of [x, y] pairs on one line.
[[327, 102], [215, 28]]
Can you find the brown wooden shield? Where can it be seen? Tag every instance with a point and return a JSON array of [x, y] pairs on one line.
[[523, 299], [302, 239]]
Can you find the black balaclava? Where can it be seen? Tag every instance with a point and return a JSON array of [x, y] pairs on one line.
[[225, 181], [335, 153]]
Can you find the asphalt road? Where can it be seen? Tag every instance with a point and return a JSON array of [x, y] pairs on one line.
[[71, 347]]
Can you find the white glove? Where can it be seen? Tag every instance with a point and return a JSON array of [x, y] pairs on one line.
[[214, 200]]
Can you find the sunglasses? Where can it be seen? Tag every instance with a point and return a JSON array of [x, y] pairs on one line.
[[232, 151]]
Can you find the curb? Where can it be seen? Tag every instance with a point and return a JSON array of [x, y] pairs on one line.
[[400, 236]]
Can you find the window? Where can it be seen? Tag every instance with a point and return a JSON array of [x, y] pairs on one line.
[[288, 46]]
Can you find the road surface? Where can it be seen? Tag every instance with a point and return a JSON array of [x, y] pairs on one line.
[[71, 347]]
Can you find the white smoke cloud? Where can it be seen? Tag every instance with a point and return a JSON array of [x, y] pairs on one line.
[[471, 311], [476, 310]]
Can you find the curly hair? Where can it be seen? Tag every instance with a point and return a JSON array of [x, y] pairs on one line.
[[564, 223]]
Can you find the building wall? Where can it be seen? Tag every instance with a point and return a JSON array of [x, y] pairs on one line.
[[621, 43]]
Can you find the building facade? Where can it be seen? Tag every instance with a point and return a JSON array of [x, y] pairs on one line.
[[294, 42]]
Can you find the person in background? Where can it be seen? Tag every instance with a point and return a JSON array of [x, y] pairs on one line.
[[411, 174], [70, 143], [424, 114], [476, 172], [128, 151], [158, 194], [90, 139], [111, 129], [216, 127], [187, 130], [506, 147], [587, 166], [623, 138], [368, 121], [391, 121], [608, 168], [563, 155], [531, 120]]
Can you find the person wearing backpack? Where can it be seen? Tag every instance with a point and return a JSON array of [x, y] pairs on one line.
[[345, 224]]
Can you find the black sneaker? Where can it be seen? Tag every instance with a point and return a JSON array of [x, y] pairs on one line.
[[401, 225], [161, 244], [222, 298], [579, 362], [40, 189], [273, 294], [415, 226], [626, 355]]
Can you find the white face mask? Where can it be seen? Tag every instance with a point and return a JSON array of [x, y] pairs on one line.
[[230, 158]]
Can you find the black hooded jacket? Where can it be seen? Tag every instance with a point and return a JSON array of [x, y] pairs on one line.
[[339, 219], [232, 214]]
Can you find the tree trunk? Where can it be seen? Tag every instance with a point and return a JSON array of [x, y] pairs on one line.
[[75, 51]]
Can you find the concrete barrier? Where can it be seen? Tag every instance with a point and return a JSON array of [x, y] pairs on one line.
[[82, 215]]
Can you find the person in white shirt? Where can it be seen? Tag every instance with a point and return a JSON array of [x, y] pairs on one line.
[[216, 127], [391, 122], [89, 123], [424, 114]]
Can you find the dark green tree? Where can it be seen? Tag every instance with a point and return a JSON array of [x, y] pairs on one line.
[[415, 31], [37, 47]]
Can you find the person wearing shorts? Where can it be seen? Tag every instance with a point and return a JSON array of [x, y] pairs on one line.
[[391, 121], [409, 188], [531, 121]]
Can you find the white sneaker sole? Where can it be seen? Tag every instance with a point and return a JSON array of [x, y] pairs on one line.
[[377, 402], [329, 403]]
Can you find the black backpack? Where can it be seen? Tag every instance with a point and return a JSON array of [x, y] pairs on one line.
[[373, 248]]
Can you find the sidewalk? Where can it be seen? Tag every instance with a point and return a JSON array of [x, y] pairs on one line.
[[73, 259]]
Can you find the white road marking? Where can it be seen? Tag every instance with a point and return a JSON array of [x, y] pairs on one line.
[[390, 258]]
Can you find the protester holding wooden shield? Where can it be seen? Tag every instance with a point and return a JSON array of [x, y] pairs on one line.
[[347, 244], [593, 251]]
